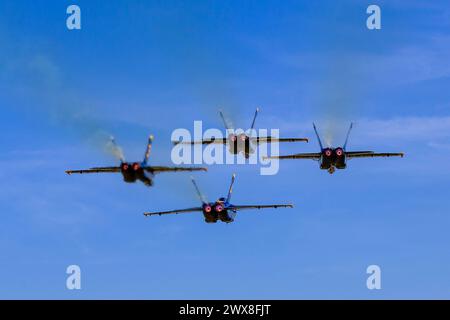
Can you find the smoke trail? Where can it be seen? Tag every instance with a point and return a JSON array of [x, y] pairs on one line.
[[112, 148], [34, 76], [200, 59], [338, 97]]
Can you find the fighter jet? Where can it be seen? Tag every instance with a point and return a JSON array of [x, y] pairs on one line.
[[133, 171], [241, 143], [221, 210], [331, 159]]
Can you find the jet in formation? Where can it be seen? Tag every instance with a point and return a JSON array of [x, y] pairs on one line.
[[241, 143], [331, 158], [221, 209], [134, 171]]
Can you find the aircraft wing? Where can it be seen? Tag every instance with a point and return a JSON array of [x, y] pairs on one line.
[[158, 213], [237, 208], [371, 154], [357, 152], [158, 169], [314, 156], [271, 139], [207, 141], [95, 170]]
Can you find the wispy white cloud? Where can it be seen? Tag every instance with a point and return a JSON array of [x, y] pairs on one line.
[[403, 63], [408, 128], [430, 131], [412, 63], [440, 145]]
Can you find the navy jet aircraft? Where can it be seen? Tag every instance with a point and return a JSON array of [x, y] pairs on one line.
[[241, 143], [331, 159], [133, 171], [221, 210]]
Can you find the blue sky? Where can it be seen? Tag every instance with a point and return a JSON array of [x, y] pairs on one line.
[[140, 67]]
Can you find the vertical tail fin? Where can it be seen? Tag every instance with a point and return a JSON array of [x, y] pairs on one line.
[[199, 193], [149, 148], [233, 177], [348, 134], [318, 137], [116, 150], [226, 123], [254, 119], [253, 122]]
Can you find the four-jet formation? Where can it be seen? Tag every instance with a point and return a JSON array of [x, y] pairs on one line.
[[221, 210], [331, 159], [133, 171], [241, 143]]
